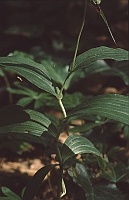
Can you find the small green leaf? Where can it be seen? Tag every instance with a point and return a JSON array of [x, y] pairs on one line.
[[72, 100], [75, 144], [17, 91], [57, 73], [36, 181], [24, 101], [89, 57], [32, 71], [112, 106], [10, 195]]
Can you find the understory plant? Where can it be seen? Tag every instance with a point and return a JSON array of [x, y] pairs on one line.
[[100, 170]]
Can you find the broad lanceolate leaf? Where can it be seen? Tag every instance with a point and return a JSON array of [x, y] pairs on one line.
[[97, 191], [15, 119], [32, 71], [75, 144], [112, 106], [35, 182], [89, 57]]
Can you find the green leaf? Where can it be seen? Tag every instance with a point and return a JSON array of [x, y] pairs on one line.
[[36, 181], [57, 73], [120, 69], [32, 71], [75, 144], [112, 106], [97, 191], [97, 67], [10, 195], [89, 57], [104, 192], [17, 91], [81, 176], [25, 121], [117, 173], [72, 100], [24, 101]]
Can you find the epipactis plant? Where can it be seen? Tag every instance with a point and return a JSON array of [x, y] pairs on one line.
[[35, 126]]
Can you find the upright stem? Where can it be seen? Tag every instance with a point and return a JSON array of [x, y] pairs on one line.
[[62, 108], [79, 36], [59, 97], [60, 175]]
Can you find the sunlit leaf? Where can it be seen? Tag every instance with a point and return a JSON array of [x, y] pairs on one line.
[[75, 144]]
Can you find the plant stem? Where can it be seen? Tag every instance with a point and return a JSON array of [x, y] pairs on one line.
[[59, 97], [62, 108], [62, 88], [79, 36], [58, 153], [59, 189]]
